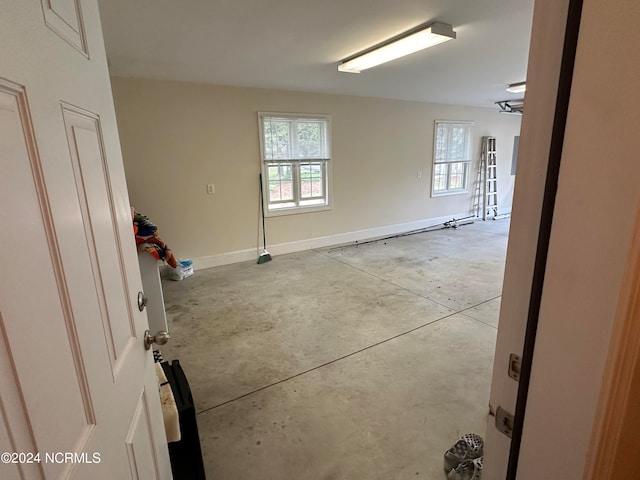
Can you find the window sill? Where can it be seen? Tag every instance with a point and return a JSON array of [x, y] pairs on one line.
[[296, 210], [448, 194]]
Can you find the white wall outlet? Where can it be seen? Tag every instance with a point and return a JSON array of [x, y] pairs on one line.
[[211, 189], [419, 174]]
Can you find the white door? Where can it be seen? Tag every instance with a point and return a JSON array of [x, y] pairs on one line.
[[590, 242], [591, 245], [78, 393], [545, 55]]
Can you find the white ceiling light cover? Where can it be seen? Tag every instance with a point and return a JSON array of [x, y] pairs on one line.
[[434, 34]]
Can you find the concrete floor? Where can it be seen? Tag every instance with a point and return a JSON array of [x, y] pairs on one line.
[[358, 363]]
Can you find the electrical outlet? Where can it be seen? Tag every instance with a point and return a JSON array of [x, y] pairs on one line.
[[211, 189], [419, 174]]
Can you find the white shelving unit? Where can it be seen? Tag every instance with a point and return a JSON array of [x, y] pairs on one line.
[[150, 273]]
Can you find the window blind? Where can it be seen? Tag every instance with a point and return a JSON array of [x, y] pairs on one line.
[[294, 139]]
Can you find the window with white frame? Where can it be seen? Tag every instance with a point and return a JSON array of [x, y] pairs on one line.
[[296, 154], [451, 157]]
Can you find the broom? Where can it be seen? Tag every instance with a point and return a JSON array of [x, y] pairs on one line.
[[265, 256]]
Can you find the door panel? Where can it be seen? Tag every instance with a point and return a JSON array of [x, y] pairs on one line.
[[91, 172], [71, 336], [28, 242], [15, 435], [139, 443], [67, 10], [65, 18]]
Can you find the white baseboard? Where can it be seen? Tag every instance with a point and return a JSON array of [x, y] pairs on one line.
[[319, 242]]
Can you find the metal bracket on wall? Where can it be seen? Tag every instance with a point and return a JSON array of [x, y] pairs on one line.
[[504, 421], [511, 106], [515, 364]]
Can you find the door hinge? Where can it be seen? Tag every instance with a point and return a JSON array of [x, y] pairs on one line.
[[515, 364], [504, 421]]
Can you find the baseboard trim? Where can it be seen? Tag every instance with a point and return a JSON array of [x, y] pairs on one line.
[[200, 263]]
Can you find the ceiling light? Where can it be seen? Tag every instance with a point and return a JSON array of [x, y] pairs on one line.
[[407, 43], [519, 87]]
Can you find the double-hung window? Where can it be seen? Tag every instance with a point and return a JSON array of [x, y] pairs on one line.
[[296, 157], [451, 157]]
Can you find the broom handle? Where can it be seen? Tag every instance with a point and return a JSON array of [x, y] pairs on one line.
[[264, 235]]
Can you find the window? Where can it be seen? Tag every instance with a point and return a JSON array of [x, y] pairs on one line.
[[295, 162], [451, 157]]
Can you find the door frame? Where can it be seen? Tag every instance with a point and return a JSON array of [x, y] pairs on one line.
[[613, 449]]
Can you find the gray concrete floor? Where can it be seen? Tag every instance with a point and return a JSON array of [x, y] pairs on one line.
[[365, 362]]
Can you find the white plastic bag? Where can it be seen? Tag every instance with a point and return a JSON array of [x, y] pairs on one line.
[[182, 271]]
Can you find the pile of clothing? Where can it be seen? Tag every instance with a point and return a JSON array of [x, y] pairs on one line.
[[147, 239]]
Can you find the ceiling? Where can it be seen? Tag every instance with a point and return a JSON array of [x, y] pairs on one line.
[[297, 45]]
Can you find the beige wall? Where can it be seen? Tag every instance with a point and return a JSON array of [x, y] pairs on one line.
[[177, 137]]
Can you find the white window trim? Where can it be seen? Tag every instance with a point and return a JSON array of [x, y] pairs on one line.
[[468, 163], [265, 175], [457, 191]]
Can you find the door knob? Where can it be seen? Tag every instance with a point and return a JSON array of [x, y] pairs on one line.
[[160, 338]]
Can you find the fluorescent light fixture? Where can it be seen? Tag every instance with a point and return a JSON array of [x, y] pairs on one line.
[[407, 43], [519, 87]]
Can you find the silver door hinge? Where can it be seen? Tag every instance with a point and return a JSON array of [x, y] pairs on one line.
[[515, 364], [504, 421]]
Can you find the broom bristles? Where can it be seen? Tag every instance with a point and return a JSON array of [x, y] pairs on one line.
[[264, 257]]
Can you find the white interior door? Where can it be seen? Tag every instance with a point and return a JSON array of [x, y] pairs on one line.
[[75, 377], [543, 71], [591, 245]]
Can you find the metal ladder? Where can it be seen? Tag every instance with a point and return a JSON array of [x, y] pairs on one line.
[[487, 183]]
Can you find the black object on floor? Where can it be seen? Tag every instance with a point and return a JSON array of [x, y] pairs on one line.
[[185, 455]]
